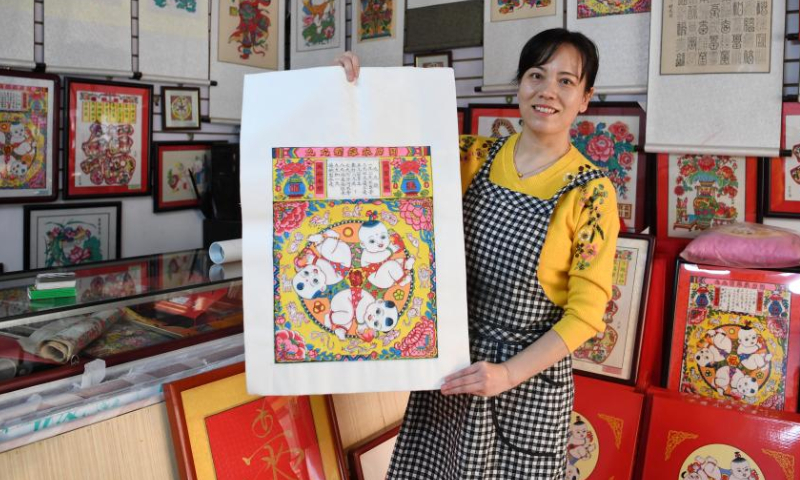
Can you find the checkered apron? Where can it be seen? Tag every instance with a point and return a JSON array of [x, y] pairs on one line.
[[520, 433]]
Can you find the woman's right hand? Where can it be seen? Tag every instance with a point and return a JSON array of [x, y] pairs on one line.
[[351, 64]]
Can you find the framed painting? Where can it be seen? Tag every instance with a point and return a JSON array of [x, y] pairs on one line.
[[180, 108], [494, 120], [782, 174], [432, 60], [722, 190], [177, 168], [735, 333], [462, 120], [29, 112], [62, 235], [376, 19], [220, 432], [107, 142], [614, 354], [353, 230], [501, 10], [249, 33], [316, 25], [113, 281], [611, 135], [370, 461], [603, 431], [178, 269], [690, 438], [600, 8]]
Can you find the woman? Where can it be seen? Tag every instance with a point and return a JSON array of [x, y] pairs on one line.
[[540, 227]]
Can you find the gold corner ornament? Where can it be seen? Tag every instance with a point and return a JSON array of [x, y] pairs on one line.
[[675, 438], [616, 424], [785, 461]]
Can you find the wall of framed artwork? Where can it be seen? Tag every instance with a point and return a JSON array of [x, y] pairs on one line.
[[61, 235], [670, 96], [377, 31], [17, 42], [109, 128], [318, 32], [174, 165], [620, 31], [29, 126], [614, 354], [734, 335]]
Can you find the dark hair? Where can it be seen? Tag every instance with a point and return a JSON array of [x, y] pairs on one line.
[[542, 46]]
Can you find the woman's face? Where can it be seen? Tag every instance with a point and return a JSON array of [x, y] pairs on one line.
[[552, 95]]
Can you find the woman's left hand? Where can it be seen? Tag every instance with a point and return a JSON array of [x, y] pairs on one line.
[[481, 378]]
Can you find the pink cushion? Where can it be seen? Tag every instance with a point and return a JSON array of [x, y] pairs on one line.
[[745, 245]]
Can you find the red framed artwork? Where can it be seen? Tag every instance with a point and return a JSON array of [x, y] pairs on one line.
[[782, 174], [177, 168], [604, 429], [109, 127], [693, 439], [370, 461], [696, 192], [494, 120], [220, 432], [735, 335], [611, 135], [462, 119]]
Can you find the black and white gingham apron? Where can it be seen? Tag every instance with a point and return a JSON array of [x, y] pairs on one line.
[[521, 433]]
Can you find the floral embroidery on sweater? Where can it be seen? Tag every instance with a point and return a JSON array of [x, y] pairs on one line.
[[591, 233]]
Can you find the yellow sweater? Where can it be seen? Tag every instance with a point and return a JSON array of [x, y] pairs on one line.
[[578, 253]]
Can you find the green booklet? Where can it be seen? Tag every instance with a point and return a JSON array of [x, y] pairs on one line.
[[37, 294]]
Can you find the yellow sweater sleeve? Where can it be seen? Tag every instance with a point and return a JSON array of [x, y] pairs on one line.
[[473, 151]]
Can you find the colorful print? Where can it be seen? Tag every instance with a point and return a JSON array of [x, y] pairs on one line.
[[71, 243], [791, 165], [720, 461], [318, 18], [602, 8], [180, 108], [376, 19], [611, 147], [188, 5], [497, 127], [24, 137], [711, 184], [583, 448], [253, 30], [246, 34], [737, 339], [519, 9], [354, 254]]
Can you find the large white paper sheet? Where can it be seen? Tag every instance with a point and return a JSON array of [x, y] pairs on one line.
[[16, 36], [88, 36], [388, 107], [173, 41], [720, 113]]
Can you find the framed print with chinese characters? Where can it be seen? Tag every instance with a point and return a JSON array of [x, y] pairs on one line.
[[688, 438], [782, 174], [179, 168], [249, 33], [221, 432], [611, 135], [614, 353], [494, 120], [697, 192], [180, 108], [353, 249], [728, 37], [108, 138], [501, 10], [71, 234], [735, 335], [28, 131]]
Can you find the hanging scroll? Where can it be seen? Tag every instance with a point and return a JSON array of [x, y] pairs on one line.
[[16, 36], [318, 32]]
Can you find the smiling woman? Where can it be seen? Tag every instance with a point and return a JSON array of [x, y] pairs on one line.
[[540, 226]]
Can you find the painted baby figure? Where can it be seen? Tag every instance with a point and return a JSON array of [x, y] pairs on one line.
[[740, 469], [378, 247], [323, 264]]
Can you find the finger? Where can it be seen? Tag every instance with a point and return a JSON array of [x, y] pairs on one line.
[[467, 385], [464, 371], [356, 66], [457, 382]]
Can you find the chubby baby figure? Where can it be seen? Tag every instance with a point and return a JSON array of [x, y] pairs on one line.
[[378, 246]]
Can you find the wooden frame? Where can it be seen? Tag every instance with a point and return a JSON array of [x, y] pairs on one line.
[[463, 119], [173, 165], [21, 116], [180, 108], [735, 334], [612, 136], [597, 357], [704, 213], [90, 249], [107, 144], [370, 461], [193, 401], [778, 171], [434, 59]]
